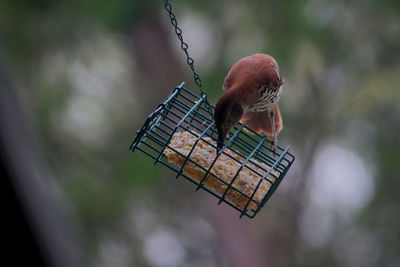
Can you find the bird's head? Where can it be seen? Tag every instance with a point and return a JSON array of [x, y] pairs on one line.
[[227, 113]]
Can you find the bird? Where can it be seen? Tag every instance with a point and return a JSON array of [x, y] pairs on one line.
[[252, 89]]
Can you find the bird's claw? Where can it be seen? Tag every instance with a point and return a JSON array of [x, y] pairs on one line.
[[274, 145]]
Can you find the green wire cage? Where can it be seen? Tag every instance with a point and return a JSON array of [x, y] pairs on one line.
[[184, 111], [244, 173]]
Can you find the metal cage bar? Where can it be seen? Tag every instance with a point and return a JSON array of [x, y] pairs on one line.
[[185, 111], [237, 173]]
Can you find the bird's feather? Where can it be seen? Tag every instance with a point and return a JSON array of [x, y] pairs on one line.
[[261, 123]]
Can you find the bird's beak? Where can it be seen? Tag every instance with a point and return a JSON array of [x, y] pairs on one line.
[[221, 139]]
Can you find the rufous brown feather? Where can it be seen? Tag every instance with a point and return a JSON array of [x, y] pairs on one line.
[[253, 87]]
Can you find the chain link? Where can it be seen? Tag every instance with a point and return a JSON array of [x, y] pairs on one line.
[[184, 47]]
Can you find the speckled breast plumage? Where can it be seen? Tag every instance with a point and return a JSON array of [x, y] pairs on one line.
[[268, 98]]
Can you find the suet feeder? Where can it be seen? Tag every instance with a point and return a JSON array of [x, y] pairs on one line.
[[180, 133]]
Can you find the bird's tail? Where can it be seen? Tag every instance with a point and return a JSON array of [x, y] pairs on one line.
[[260, 121]]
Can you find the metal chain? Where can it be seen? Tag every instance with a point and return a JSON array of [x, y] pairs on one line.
[[184, 46]]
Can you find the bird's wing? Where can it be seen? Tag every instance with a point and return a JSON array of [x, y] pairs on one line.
[[261, 123]]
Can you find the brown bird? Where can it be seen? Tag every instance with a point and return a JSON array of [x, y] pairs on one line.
[[252, 88]]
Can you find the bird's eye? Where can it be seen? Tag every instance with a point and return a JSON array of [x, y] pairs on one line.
[[275, 85]]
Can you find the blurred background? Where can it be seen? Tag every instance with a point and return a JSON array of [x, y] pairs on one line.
[[86, 73]]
